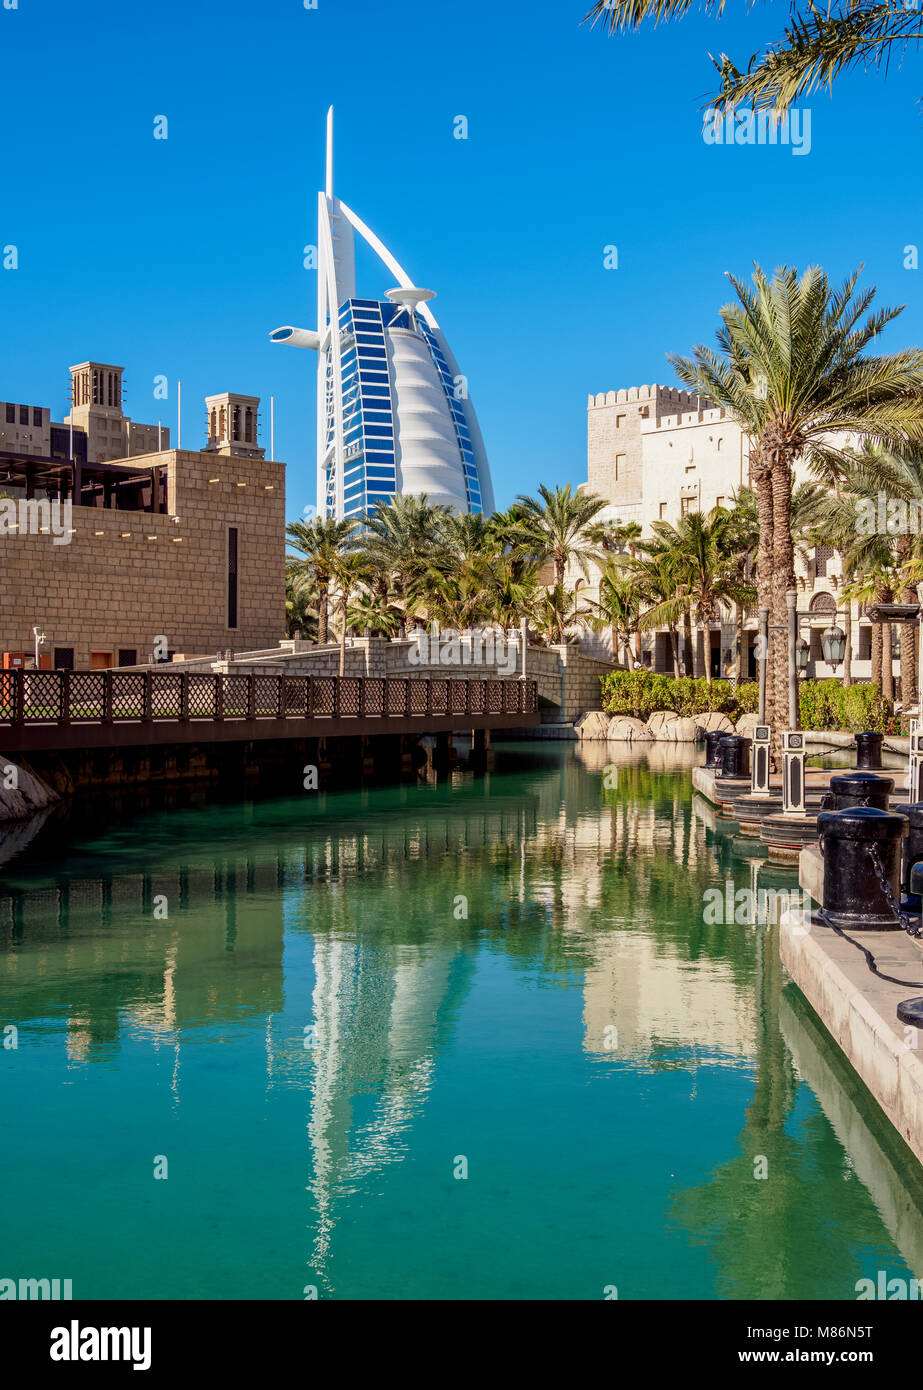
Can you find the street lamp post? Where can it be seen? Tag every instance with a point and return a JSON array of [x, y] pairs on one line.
[[833, 645], [764, 660], [791, 601]]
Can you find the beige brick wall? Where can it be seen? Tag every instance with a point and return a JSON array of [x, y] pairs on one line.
[[147, 576], [616, 424]]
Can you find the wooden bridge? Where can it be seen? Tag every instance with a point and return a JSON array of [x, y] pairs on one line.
[[57, 710]]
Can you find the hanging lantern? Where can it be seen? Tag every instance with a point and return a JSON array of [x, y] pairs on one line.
[[833, 645]]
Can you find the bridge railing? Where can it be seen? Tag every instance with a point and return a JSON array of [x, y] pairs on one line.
[[111, 697]]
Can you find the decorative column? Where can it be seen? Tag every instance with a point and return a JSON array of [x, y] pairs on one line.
[[793, 752]]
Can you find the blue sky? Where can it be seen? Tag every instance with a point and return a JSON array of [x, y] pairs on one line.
[[177, 257]]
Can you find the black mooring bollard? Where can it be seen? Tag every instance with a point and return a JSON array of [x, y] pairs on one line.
[[868, 749], [735, 756], [912, 854], [911, 1010], [862, 850], [852, 789], [713, 739]]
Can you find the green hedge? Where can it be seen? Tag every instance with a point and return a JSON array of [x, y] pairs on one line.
[[640, 693], [829, 705], [823, 704]]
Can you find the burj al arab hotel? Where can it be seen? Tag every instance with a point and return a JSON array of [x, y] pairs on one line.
[[393, 413]]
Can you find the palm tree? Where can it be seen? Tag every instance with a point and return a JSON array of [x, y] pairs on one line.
[[882, 564], [374, 613], [699, 551], [321, 541], [557, 610], [615, 536], [817, 44], [793, 367], [511, 589], [900, 477], [620, 605], [837, 525], [401, 540], [654, 577], [553, 527], [348, 570], [300, 600], [876, 582]]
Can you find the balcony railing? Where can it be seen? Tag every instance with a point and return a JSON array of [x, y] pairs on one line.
[[113, 697]]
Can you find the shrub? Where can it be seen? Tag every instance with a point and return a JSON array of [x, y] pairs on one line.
[[748, 697], [823, 704], [829, 705], [640, 693]]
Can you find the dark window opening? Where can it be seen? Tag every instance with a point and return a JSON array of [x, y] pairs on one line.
[[24, 415], [128, 656], [64, 658], [11, 415], [232, 576]]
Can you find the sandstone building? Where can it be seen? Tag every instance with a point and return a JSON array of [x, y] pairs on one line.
[[167, 551], [656, 453]]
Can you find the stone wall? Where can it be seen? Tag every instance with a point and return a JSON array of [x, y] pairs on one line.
[[128, 577], [568, 680]]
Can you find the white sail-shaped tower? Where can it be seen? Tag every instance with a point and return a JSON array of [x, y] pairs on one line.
[[393, 411]]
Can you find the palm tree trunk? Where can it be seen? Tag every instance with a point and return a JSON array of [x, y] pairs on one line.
[[703, 636], [673, 639], [887, 662], [876, 654], [762, 479], [908, 664], [741, 644], [687, 643], [783, 579], [847, 659], [322, 621], [343, 603]]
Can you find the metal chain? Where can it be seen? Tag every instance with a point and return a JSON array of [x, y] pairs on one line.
[[884, 884]]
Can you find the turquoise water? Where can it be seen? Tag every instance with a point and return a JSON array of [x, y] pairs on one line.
[[162, 970]]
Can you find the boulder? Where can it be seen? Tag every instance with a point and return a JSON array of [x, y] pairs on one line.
[[623, 728], [711, 720], [746, 724], [667, 727], [594, 724], [660, 722], [21, 792]]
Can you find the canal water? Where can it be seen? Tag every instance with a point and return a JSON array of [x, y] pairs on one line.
[[469, 1039]]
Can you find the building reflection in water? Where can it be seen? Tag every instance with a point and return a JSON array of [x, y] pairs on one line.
[[570, 879]]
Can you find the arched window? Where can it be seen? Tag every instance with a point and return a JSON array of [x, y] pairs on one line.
[[823, 603]]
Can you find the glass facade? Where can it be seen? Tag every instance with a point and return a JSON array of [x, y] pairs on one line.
[[369, 409]]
